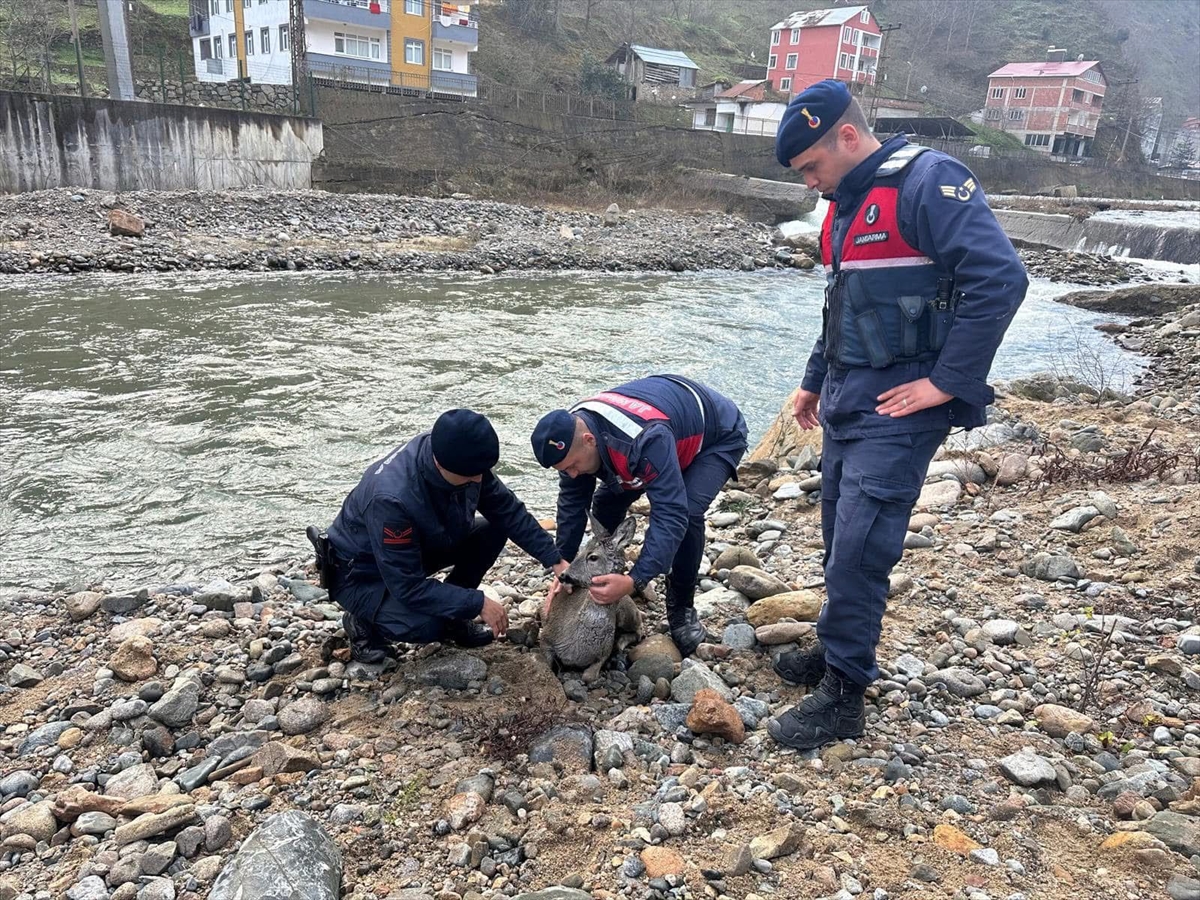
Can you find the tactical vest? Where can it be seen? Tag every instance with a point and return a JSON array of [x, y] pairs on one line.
[[631, 416], [885, 301]]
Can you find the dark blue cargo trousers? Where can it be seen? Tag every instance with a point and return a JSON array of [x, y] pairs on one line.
[[868, 489]]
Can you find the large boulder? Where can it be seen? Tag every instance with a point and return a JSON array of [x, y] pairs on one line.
[[802, 606], [784, 437], [288, 857]]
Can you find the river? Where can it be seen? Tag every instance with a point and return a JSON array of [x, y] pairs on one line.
[[178, 427]]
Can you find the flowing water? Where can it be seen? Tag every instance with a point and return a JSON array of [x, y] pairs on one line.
[[155, 429]]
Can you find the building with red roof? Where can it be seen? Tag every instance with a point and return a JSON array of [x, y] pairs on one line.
[[1051, 106]]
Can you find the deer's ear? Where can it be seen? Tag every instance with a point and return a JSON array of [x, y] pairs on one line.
[[624, 533], [599, 532]]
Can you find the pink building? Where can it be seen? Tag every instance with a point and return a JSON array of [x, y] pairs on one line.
[[1052, 106], [808, 47]]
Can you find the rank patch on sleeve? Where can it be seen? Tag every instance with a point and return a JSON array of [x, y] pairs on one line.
[[961, 192]]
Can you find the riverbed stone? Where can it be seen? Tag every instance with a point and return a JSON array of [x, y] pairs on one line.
[[290, 853], [695, 677], [303, 715], [755, 583], [800, 606], [134, 659], [1027, 769], [454, 671]]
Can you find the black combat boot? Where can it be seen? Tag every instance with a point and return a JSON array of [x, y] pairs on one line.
[[806, 667], [833, 712], [468, 634], [687, 631], [364, 647]]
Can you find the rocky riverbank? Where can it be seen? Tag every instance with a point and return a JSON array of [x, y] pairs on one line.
[[1035, 732], [67, 232]]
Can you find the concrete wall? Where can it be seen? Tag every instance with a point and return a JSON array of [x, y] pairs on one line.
[[383, 143], [1063, 232], [56, 141]]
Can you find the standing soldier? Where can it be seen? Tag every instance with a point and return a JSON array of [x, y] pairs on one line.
[[921, 287]]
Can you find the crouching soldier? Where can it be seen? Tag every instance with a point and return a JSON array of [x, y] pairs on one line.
[[413, 514], [667, 437]]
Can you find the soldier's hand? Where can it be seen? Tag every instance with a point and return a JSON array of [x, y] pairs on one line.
[[805, 409], [608, 589], [494, 616], [913, 396]]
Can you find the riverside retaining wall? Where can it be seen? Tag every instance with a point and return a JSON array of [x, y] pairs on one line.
[[1062, 232], [49, 141]]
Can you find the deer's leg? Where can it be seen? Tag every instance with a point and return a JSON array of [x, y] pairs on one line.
[[592, 672]]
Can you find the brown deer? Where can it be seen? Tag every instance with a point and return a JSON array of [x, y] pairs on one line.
[[580, 633]]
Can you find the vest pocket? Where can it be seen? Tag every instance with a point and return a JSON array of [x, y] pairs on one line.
[[912, 309], [874, 338]]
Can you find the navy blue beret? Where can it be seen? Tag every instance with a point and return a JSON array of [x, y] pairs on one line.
[[465, 443], [552, 437], [811, 113]]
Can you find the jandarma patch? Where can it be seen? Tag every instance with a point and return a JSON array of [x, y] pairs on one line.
[[873, 237]]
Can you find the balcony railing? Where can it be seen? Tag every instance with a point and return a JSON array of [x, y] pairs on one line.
[[375, 6]]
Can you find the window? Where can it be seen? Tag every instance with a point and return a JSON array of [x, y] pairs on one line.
[[356, 45], [997, 93], [245, 4], [443, 60], [414, 52], [772, 60], [795, 35], [249, 43], [1037, 140], [1016, 114], [228, 6], [785, 84], [993, 113], [233, 46], [265, 36], [856, 37], [205, 49], [774, 38], [283, 37], [1093, 76], [214, 7], [865, 18], [218, 47], [1076, 96], [1097, 99], [710, 116], [843, 60], [1018, 93], [790, 65], [846, 34], [414, 7]]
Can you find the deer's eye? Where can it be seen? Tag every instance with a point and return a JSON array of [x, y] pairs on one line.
[[594, 557]]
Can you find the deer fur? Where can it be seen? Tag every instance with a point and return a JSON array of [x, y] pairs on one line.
[[580, 633]]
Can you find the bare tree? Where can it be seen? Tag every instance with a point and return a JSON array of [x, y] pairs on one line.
[[28, 32]]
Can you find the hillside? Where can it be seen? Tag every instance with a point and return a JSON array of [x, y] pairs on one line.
[[948, 46]]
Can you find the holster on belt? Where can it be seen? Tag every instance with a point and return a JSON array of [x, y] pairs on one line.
[[320, 542]]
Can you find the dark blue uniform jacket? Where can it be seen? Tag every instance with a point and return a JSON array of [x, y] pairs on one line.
[[651, 464], [960, 236], [403, 509]]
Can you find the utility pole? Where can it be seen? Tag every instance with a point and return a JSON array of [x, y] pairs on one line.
[[297, 43], [78, 49], [885, 30]]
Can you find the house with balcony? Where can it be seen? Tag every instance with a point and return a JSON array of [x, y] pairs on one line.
[[808, 47], [414, 45], [1052, 106], [749, 107]]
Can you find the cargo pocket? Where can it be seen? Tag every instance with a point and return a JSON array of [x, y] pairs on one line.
[[879, 523], [912, 310]]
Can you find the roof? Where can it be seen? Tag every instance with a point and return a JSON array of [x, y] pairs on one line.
[[1046, 69], [1191, 123], [752, 90], [664, 57], [820, 17]]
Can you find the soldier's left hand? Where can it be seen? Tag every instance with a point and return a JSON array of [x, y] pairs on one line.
[[914, 396], [608, 589]]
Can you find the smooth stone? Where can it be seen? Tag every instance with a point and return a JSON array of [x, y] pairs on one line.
[[290, 854]]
